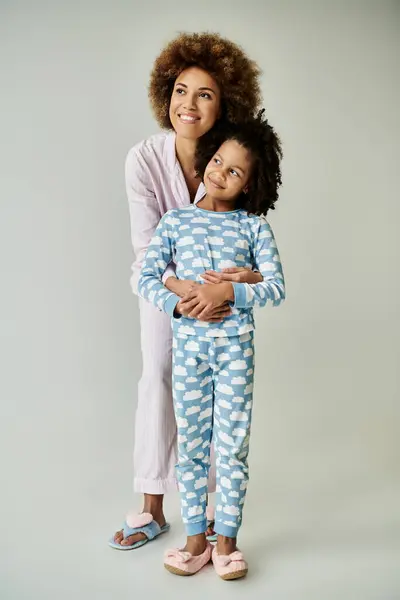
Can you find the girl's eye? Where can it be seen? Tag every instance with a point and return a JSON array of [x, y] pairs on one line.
[[205, 95], [180, 91], [217, 161], [234, 173]]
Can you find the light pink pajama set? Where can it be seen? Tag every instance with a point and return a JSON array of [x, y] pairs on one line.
[[155, 184]]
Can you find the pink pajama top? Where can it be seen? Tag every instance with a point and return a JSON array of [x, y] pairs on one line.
[[155, 183]]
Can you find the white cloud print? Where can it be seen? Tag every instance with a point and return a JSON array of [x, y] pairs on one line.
[[191, 495], [191, 380], [192, 429], [202, 368], [231, 510], [226, 483], [186, 329], [223, 356], [238, 399], [206, 381], [238, 381], [195, 510], [248, 352], [200, 483], [192, 395], [225, 404], [192, 346], [224, 437], [238, 416], [233, 494], [242, 244], [201, 262], [185, 241], [237, 475], [186, 255], [235, 349], [225, 389], [192, 410], [205, 427], [216, 241], [226, 264], [205, 413], [199, 230], [181, 422], [248, 389], [179, 370], [238, 365], [191, 362], [180, 386], [187, 476], [239, 432], [194, 443]]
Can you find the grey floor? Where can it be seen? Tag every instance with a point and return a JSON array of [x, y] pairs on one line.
[[328, 545]]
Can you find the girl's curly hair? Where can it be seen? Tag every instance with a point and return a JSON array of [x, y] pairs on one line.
[[232, 69], [260, 139]]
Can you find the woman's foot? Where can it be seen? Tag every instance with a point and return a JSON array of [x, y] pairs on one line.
[[153, 504]]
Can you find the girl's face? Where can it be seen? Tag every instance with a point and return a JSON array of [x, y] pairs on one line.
[[195, 103], [228, 172]]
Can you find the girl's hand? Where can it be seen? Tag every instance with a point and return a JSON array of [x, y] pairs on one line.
[[180, 287], [237, 274], [208, 302]]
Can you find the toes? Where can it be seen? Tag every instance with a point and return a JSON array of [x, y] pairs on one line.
[[132, 539], [118, 537]]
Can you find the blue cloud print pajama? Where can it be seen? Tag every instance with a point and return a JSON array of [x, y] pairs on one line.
[[213, 363]]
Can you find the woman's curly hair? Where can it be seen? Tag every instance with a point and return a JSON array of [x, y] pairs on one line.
[[232, 69], [261, 140]]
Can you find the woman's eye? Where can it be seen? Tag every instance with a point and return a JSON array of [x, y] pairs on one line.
[[205, 95], [180, 91]]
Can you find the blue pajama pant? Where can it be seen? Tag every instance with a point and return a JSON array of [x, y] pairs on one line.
[[213, 396]]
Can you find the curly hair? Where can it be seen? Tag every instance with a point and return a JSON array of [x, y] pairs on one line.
[[261, 140], [225, 61]]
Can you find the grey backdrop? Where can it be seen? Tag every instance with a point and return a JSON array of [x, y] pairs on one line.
[[321, 519]]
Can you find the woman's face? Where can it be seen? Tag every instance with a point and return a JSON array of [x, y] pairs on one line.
[[195, 103]]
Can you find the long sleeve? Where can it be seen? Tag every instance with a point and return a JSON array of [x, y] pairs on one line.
[[268, 263], [143, 209], [159, 254]]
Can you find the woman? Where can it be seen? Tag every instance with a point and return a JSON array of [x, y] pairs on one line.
[[196, 80]]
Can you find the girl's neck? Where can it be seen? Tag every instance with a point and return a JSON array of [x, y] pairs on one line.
[[209, 203]]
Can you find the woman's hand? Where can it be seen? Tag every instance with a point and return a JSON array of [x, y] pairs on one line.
[[236, 274], [180, 287], [207, 302]]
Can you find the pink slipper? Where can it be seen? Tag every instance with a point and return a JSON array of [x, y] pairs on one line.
[[232, 566], [180, 562]]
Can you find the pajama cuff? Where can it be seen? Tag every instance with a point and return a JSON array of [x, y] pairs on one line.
[[239, 291], [225, 530], [170, 304], [196, 528]]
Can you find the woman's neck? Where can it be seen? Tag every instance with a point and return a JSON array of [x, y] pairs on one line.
[[185, 151]]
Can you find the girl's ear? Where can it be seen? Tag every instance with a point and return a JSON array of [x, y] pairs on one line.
[[245, 189]]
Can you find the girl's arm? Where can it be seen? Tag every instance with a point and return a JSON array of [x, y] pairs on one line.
[[158, 255], [268, 263]]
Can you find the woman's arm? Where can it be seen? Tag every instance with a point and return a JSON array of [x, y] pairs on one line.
[[143, 210]]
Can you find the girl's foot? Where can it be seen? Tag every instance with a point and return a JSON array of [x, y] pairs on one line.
[[229, 562], [191, 559], [152, 504]]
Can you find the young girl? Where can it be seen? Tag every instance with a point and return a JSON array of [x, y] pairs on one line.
[[213, 364], [198, 79]]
